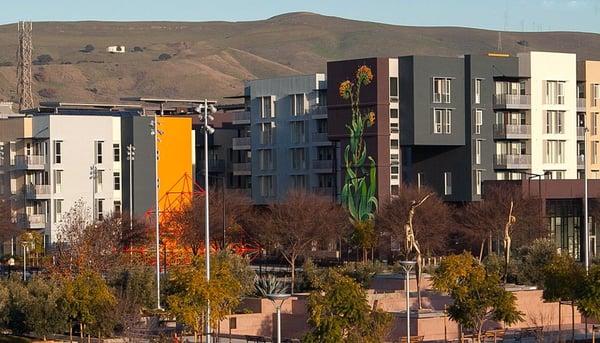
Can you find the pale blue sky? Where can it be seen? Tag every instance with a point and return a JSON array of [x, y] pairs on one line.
[[530, 15]]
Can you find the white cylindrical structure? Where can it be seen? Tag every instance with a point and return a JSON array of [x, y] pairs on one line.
[[278, 324], [130, 155], [586, 226], [408, 305], [207, 216], [24, 263], [156, 210]]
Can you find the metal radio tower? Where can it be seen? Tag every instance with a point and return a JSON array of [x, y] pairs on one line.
[[24, 66]]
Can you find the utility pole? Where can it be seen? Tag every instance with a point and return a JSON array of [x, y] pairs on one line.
[[24, 53], [130, 158]]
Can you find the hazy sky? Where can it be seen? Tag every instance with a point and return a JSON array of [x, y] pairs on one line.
[[529, 15]]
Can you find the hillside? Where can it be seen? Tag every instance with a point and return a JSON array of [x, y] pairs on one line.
[[212, 59]]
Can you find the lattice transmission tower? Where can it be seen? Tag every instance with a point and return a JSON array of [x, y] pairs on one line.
[[24, 66]]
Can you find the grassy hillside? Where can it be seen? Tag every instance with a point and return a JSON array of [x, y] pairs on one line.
[[212, 59]]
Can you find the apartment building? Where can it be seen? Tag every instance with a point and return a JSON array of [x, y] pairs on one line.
[[588, 114], [284, 134], [60, 154], [463, 120]]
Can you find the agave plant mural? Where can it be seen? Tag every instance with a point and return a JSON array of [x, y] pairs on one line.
[[358, 191]]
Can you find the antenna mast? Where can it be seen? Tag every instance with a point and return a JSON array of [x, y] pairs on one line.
[[24, 53]]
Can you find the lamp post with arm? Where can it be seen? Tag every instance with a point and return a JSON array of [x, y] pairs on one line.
[[155, 131]]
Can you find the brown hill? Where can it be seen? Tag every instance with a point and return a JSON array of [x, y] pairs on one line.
[[213, 58]]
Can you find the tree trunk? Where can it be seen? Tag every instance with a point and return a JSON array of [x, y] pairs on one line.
[[195, 336], [481, 250], [293, 266], [70, 332], [490, 249], [365, 256], [81, 332]]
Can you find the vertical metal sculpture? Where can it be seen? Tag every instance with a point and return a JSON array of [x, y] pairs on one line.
[[411, 243], [507, 240]]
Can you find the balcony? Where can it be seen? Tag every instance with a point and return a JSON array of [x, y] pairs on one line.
[[318, 112], [37, 191], [242, 169], [323, 165], [320, 137], [512, 101], [242, 143], [511, 131], [581, 105], [580, 133], [512, 161], [30, 162], [32, 221], [241, 118], [214, 166]]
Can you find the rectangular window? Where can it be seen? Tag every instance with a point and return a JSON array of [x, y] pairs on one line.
[[117, 181], [57, 152], [267, 105], [58, 204], [555, 122], [478, 180], [298, 181], [98, 178], [447, 183], [478, 120], [99, 209], [58, 181], [266, 185], [117, 152], [298, 132], [477, 91], [298, 104], [448, 122], [554, 151], [13, 152], [99, 145], [595, 145], [394, 144], [393, 89], [267, 132], [298, 158], [265, 159], [325, 180], [478, 151], [595, 94], [555, 92], [437, 120], [117, 208], [441, 90], [595, 122], [393, 113]]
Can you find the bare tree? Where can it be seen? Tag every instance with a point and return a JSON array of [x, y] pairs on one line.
[[487, 218], [293, 225]]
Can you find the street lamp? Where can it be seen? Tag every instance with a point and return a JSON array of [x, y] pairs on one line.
[[278, 299], [586, 228], [407, 266], [93, 177], [130, 158], [203, 114], [155, 131]]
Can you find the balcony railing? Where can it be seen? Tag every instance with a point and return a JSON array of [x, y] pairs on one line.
[[214, 165], [242, 168], [512, 101], [581, 105], [323, 164], [241, 118], [37, 191], [323, 191], [32, 221], [512, 131], [30, 161], [242, 143], [318, 112], [512, 161], [320, 137]]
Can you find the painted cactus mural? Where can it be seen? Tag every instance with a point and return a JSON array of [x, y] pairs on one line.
[[358, 191]]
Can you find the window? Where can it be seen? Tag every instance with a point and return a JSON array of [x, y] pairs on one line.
[[117, 208], [58, 181], [393, 113], [117, 152], [595, 94], [595, 145], [324, 153], [58, 204], [393, 89], [322, 126], [555, 122], [441, 90], [477, 91], [267, 105], [394, 127], [267, 133], [395, 172], [99, 209], [478, 180], [298, 104], [266, 185], [394, 144], [99, 145], [448, 122], [437, 120], [117, 181], [98, 178], [57, 152], [265, 159], [478, 151], [555, 92], [298, 158], [595, 122], [298, 181], [554, 151], [447, 183], [13, 152], [298, 134], [478, 120], [325, 180]]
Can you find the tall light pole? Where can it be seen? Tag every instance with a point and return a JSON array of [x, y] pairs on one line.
[[155, 131], [93, 177], [203, 109], [586, 228], [130, 158], [407, 266], [278, 299]]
